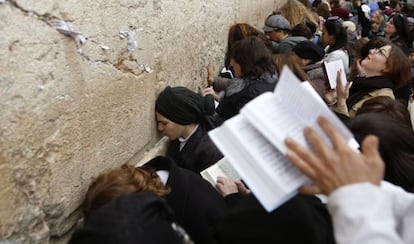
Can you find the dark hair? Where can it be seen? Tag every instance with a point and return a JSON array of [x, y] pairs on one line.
[[253, 57], [302, 30], [236, 33], [396, 145], [388, 106], [333, 26], [401, 28], [126, 179], [355, 52]]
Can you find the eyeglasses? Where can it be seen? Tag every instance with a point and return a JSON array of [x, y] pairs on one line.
[[379, 51]]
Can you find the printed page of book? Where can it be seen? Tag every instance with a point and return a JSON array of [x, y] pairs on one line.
[[331, 70], [222, 168], [288, 110], [266, 171]]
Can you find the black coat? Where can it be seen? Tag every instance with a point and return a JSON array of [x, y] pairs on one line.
[[301, 220], [196, 203], [231, 105], [198, 153]]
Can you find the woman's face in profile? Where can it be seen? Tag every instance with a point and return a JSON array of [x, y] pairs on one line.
[[376, 60], [169, 128], [236, 68], [390, 27]]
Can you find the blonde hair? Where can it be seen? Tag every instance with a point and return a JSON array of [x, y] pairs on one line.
[[296, 13]]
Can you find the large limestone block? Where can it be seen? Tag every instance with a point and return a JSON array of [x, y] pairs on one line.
[[69, 111]]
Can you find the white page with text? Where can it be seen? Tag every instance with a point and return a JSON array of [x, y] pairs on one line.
[[331, 70], [288, 110], [267, 172]]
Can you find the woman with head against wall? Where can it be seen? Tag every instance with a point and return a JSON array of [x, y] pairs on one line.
[[182, 116], [236, 33], [383, 68], [251, 61]]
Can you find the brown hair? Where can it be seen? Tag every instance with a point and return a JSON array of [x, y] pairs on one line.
[[388, 106], [355, 49], [238, 32], [399, 68], [253, 56], [293, 62], [126, 179]]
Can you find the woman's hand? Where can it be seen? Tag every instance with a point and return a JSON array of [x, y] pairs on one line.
[[342, 92], [210, 74], [209, 90], [332, 167], [226, 186]]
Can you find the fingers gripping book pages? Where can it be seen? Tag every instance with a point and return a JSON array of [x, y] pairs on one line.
[[265, 170], [222, 168], [253, 141]]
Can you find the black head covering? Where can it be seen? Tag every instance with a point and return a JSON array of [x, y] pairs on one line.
[[129, 219], [309, 50], [183, 106]]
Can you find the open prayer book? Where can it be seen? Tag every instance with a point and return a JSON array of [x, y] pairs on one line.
[[331, 69], [222, 168], [253, 140]]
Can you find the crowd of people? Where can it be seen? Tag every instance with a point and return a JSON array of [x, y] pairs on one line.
[[368, 194]]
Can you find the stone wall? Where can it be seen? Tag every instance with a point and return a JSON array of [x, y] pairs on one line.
[[71, 109]]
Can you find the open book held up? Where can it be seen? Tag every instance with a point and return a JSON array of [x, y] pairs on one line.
[[253, 141]]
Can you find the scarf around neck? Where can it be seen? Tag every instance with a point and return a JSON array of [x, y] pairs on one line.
[[364, 85]]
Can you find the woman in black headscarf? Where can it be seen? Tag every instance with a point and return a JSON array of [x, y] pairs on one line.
[[181, 116]]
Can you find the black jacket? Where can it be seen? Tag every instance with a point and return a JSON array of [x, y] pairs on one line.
[[303, 219], [231, 105], [198, 153], [196, 203]]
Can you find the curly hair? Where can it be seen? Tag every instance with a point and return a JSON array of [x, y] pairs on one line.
[[296, 13], [126, 179]]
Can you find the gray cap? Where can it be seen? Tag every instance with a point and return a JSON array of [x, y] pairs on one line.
[[276, 22]]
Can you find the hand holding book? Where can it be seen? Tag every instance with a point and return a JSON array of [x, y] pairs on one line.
[[253, 141]]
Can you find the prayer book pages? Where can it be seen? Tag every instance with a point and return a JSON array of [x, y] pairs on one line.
[[288, 110], [264, 169], [331, 70], [222, 168], [253, 141]]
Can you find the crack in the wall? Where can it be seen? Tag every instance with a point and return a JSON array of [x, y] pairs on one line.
[[46, 18], [49, 19]]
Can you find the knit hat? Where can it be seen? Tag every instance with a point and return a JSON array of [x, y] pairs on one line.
[[276, 22], [129, 219], [309, 50], [183, 106], [349, 26], [342, 13]]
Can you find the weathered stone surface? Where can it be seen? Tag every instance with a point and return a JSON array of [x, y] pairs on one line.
[[69, 111]]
